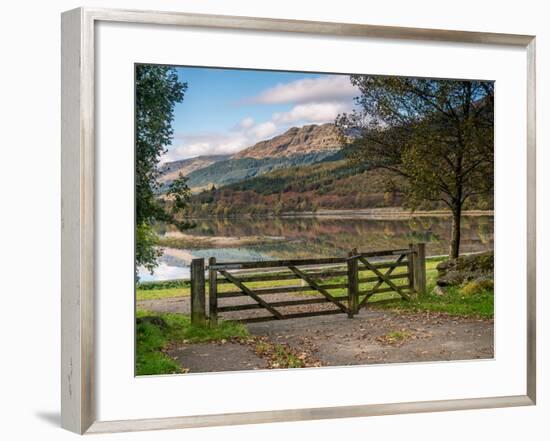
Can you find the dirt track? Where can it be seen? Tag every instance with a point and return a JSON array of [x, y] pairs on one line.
[[336, 340]]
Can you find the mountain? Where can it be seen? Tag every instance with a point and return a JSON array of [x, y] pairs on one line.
[[298, 146], [171, 170], [295, 141]]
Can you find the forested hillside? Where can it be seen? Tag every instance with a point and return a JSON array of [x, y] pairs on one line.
[[171, 170], [241, 169], [325, 185], [266, 180]]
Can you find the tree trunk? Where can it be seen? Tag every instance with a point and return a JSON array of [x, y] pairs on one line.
[[455, 234]]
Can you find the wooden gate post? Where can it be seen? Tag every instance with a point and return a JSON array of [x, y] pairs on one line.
[[212, 293], [198, 295], [420, 268], [411, 266], [353, 285]]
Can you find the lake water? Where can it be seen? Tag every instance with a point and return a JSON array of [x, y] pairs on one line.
[[318, 236]]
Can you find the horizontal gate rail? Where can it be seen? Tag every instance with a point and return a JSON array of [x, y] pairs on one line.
[[275, 304], [370, 292], [384, 265], [277, 277], [391, 276], [262, 278], [278, 263], [360, 275], [318, 275], [280, 290], [301, 262]]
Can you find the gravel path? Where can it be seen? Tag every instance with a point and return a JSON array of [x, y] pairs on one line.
[[335, 340], [182, 305], [217, 357], [367, 338]]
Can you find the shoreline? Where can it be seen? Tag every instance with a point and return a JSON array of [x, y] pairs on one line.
[[179, 240], [387, 213]]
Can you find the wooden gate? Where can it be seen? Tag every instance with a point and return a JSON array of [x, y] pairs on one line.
[[333, 285]]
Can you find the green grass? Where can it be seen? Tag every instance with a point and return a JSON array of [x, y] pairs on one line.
[[166, 293], [174, 288], [479, 305], [162, 284], [162, 289], [395, 337], [459, 301], [153, 337], [455, 303], [398, 335]]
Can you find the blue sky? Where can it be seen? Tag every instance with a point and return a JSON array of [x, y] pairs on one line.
[[226, 110]]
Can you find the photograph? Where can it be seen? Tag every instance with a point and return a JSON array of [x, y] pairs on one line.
[[260, 221], [291, 219]]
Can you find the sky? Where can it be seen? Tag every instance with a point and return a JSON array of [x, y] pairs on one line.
[[227, 110]]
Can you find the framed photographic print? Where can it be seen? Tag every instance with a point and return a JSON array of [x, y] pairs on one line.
[[275, 220]]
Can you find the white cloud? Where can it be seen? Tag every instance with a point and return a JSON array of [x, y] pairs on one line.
[[313, 112], [326, 88], [245, 134], [205, 144], [246, 123], [314, 101], [263, 130]]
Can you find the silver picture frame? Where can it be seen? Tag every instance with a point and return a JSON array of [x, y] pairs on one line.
[[78, 399]]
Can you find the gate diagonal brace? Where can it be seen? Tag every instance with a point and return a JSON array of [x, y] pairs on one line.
[[317, 287], [380, 281], [383, 278], [251, 293]]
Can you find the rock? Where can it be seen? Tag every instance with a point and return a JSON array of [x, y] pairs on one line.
[[445, 265], [153, 320], [465, 269], [485, 280], [439, 291], [451, 278], [307, 139]]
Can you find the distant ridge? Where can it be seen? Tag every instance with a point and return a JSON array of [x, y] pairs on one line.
[[295, 141], [298, 146], [171, 170], [241, 169]]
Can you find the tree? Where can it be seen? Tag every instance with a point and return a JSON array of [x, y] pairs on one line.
[[158, 89], [437, 134], [180, 196]]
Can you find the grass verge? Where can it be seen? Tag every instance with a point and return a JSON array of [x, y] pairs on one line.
[[479, 305], [459, 301], [155, 333], [182, 288]]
